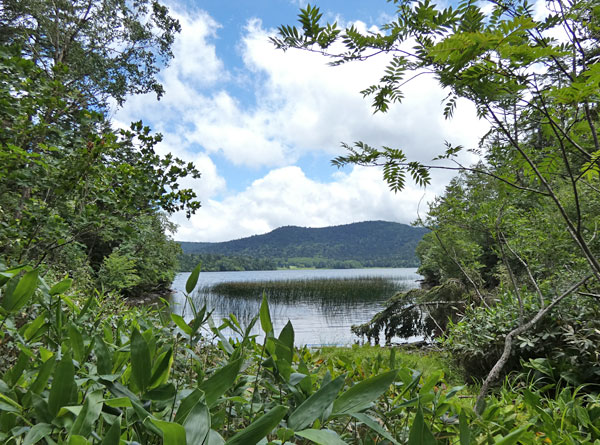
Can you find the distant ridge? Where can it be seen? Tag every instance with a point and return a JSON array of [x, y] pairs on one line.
[[363, 244]]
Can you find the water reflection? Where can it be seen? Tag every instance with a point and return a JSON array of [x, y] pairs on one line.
[[316, 321]]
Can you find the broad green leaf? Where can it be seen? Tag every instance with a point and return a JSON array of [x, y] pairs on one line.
[[172, 433], [162, 369], [512, 437], [17, 297], [181, 324], [187, 405], [76, 343], [197, 424], [463, 427], [89, 414], [61, 287], [163, 392], [104, 362], [33, 327], [259, 428], [321, 437], [420, 434], [192, 280], [286, 337], [10, 403], [119, 402], [216, 385], [265, 316], [63, 385], [141, 365], [374, 425], [313, 407], [361, 395], [37, 433], [214, 438], [77, 440], [113, 435]]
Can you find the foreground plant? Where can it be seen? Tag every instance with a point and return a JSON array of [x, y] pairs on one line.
[[90, 371]]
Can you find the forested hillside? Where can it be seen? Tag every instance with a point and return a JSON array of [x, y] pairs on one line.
[[364, 244]]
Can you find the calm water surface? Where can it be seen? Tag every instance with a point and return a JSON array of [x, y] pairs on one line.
[[315, 322]]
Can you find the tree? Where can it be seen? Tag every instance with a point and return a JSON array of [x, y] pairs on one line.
[[74, 189], [105, 49], [539, 94]]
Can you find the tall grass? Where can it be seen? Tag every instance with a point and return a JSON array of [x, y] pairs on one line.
[[312, 289]]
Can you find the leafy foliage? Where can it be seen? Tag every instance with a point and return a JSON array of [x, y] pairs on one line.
[[88, 370]]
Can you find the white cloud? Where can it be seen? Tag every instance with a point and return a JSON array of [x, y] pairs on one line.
[[301, 106], [286, 196]]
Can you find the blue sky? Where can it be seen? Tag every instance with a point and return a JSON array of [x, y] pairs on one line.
[[262, 125]]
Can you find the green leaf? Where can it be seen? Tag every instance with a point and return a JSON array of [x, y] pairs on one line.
[[321, 437], [61, 287], [63, 385], [104, 362], [374, 425], [113, 435], [141, 365], [162, 370], [463, 427], [44, 373], [192, 280], [172, 433], [33, 327], [286, 337], [259, 428], [37, 433], [76, 343], [77, 440], [265, 316], [214, 438], [187, 405], [181, 324], [420, 434], [89, 414], [316, 404], [361, 395], [216, 385], [17, 297], [512, 437], [197, 424]]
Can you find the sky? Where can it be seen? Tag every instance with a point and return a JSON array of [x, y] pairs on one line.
[[262, 125]]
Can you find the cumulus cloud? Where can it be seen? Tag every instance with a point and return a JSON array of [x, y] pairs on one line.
[[286, 196], [295, 106]]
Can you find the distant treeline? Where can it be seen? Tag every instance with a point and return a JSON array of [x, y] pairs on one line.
[[366, 244], [216, 262]]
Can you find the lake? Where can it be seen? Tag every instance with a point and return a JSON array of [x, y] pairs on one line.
[[316, 322]]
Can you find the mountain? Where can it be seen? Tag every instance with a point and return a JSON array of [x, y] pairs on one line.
[[363, 244]]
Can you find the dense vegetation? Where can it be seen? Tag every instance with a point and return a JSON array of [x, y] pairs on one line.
[[365, 244], [102, 373], [79, 197]]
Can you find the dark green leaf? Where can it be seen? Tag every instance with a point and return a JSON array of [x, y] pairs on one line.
[[192, 280], [316, 404], [63, 385], [361, 395], [141, 365], [259, 428]]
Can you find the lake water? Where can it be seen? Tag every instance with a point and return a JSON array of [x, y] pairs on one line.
[[315, 322]]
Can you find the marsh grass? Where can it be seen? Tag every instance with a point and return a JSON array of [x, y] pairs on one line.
[[326, 290]]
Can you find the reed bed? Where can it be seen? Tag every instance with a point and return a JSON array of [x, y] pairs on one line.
[[312, 289]]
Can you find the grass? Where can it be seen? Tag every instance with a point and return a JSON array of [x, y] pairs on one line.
[[358, 288], [427, 361]]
